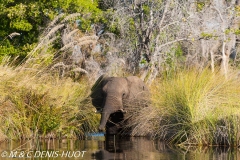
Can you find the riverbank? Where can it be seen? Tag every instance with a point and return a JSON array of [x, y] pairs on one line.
[[190, 107]]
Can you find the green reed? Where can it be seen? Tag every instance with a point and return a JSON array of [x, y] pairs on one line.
[[197, 107]]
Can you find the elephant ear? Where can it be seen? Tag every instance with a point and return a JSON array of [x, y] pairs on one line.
[[97, 93], [138, 91]]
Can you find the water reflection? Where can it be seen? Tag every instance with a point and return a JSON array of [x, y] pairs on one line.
[[111, 148], [133, 148]]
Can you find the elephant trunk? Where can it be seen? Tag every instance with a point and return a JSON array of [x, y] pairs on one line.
[[113, 103], [104, 118]]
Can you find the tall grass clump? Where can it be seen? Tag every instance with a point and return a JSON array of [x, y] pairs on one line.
[[35, 104], [198, 108]]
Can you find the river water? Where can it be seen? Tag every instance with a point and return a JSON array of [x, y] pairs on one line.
[[109, 148]]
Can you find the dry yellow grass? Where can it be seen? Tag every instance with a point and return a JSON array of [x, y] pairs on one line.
[[35, 103]]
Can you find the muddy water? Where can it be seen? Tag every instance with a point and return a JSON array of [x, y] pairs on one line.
[[109, 148]]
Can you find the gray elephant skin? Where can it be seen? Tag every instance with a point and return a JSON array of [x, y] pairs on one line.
[[116, 98]]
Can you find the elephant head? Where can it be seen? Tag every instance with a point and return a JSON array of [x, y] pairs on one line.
[[110, 94]]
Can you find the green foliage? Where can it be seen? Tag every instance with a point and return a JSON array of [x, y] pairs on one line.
[[112, 25], [206, 35], [227, 31], [22, 25], [200, 6], [143, 61], [29, 17], [237, 31], [231, 30], [174, 61], [114, 29], [131, 24], [36, 109], [178, 51], [5, 50], [237, 8], [146, 9]]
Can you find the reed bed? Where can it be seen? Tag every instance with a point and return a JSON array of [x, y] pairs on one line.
[[33, 104], [196, 108]]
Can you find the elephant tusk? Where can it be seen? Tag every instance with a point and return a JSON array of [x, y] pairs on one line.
[[123, 111], [98, 111]]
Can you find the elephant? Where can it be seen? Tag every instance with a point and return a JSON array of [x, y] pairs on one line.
[[116, 98]]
